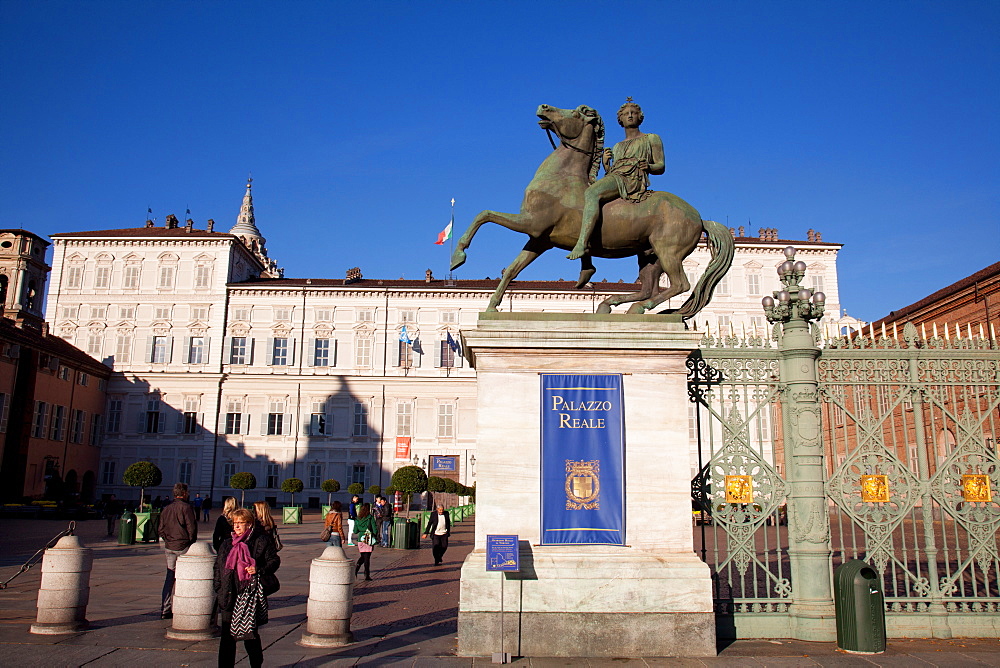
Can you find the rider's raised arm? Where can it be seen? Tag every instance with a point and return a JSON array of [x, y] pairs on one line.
[[658, 163]]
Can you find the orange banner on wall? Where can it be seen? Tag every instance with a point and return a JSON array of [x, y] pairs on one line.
[[402, 447]]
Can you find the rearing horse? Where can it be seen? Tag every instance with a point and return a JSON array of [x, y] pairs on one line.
[[660, 231]]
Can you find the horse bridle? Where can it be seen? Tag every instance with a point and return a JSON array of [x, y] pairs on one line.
[[548, 133]]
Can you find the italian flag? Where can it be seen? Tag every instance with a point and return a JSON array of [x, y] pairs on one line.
[[444, 234]]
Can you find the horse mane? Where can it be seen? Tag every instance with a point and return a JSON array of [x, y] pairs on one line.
[[597, 159]]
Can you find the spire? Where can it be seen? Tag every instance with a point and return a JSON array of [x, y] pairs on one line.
[[246, 230], [245, 225]]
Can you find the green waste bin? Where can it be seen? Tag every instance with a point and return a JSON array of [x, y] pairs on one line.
[[146, 525], [126, 528], [405, 534], [860, 608], [291, 515]]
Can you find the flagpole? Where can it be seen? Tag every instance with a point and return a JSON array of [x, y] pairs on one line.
[[451, 275]]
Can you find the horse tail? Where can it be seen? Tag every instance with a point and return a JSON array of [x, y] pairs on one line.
[[722, 247]]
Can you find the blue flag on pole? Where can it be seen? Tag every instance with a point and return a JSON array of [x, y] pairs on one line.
[[404, 336], [452, 343]]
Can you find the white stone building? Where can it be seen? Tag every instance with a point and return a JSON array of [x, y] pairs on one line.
[[222, 365]]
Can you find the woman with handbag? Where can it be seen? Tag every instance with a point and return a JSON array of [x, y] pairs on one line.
[[244, 578], [333, 526], [266, 522], [366, 529], [223, 527]]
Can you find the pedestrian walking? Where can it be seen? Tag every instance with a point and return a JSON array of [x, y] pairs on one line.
[[366, 530], [335, 523], [112, 512], [263, 513], [438, 528], [383, 520], [223, 527], [245, 570], [206, 506], [352, 517], [197, 504], [178, 527]]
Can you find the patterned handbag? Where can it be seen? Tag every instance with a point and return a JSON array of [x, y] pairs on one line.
[[249, 612]]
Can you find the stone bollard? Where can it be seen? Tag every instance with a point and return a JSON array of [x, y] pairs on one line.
[[194, 594], [331, 599], [65, 589]]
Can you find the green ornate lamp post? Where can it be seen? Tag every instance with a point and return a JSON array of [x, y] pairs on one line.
[[812, 613]]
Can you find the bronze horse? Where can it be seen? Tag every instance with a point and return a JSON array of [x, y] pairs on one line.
[[660, 231]]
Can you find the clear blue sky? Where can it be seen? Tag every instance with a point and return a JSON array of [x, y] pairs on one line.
[[875, 123]]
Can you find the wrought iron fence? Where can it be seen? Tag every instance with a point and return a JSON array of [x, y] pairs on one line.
[[909, 430]]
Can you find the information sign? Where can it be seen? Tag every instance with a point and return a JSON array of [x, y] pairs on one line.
[[501, 553]]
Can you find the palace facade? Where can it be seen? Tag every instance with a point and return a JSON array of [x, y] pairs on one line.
[[221, 364]]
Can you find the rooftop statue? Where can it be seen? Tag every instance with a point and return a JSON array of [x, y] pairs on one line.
[[566, 206]]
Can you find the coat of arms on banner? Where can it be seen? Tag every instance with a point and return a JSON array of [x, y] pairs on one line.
[[583, 484]]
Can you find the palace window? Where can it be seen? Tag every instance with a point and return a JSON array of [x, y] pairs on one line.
[[315, 476], [446, 421], [130, 278], [363, 352], [114, 416], [360, 419], [404, 418], [58, 423], [102, 277], [280, 352], [238, 350], [321, 352], [123, 348], [161, 350], [196, 350], [202, 276], [108, 473], [153, 423]]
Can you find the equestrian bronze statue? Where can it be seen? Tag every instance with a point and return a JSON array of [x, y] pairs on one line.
[[659, 229]]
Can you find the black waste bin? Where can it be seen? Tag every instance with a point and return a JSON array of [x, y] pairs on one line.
[[126, 528], [405, 534], [860, 606]]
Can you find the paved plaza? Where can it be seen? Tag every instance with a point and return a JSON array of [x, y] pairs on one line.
[[407, 616]]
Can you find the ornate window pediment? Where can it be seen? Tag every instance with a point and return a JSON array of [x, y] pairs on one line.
[[753, 265], [239, 329], [323, 331], [132, 258], [105, 258], [168, 257], [281, 330]]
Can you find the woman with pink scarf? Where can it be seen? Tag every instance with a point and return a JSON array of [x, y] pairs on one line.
[[244, 559]]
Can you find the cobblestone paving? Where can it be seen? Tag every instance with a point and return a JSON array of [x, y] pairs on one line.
[[407, 616]]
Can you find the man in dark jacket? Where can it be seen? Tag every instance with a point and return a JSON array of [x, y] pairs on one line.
[[178, 528], [438, 528]]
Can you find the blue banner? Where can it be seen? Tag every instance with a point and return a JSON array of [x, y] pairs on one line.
[[583, 460]]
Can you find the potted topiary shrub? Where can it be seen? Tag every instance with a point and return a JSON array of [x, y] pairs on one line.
[[331, 487], [243, 481], [355, 488], [374, 490], [409, 480], [292, 514], [143, 475]]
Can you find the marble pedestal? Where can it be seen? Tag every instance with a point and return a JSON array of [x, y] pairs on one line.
[[651, 597]]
